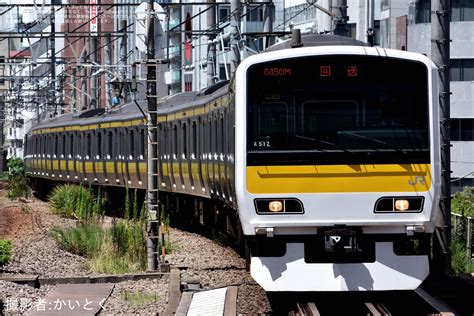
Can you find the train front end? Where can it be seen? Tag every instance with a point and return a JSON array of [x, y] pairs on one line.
[[337, 167]]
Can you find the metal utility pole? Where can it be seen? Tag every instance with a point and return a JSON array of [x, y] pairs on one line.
[[123, 57], [268, 9], [339, 10], [152, 161], [440, 54], [93, 45], [83, 75], [211, 46], [52, 48], [74, 93], [108, 77], [234, 35]]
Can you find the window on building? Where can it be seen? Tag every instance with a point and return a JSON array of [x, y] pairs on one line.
[[462, 69], [224, 13], [462, 10], [462, 129], [222, 71], [254, 14], [384, 5], [423, 11], [188, 82]]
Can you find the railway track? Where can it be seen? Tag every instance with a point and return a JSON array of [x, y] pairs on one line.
[[416, 302]]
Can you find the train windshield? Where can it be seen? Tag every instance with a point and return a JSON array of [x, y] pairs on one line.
[[338, 110]]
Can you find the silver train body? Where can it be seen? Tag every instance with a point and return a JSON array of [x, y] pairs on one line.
[[323, 160], [348, 201]]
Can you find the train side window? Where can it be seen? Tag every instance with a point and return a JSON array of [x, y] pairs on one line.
[[184, 141]]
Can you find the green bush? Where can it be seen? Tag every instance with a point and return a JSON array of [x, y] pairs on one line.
[[5, 251], [75, 201], [17, 184], [463, 203]]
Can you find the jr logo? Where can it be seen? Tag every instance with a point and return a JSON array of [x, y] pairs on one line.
[[418, 179]]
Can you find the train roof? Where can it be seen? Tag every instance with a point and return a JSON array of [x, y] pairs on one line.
[[131, 110], [318, 40]]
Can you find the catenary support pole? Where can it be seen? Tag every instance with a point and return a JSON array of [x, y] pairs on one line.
[[123, 57], [440, 54], [211, 48], [152, 160]]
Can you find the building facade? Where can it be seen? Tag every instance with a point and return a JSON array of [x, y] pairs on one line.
[[462, 79]]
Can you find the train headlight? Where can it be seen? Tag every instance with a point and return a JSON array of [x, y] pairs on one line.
[[402, 205], [399, 204], [275, 206], [278, 206]]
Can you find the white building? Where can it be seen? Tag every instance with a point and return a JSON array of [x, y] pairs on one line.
[[462, 79]]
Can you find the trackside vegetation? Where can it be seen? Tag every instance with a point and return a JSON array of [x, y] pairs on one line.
[[463, 205], [17, 183], [5, 251], [113, 245]]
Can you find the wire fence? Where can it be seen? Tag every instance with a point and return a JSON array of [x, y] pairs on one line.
[[463, 232]]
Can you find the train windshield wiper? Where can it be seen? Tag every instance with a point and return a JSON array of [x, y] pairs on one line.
[[378, 141], [328, 143]]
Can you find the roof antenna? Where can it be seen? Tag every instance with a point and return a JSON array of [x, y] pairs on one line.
[[296, 38]]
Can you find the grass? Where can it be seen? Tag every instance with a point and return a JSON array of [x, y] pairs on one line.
[[137, 299], [75, 201], [462, 204], [119, 248], [5, 251]]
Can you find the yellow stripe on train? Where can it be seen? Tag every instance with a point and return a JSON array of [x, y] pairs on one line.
[[339, 178]]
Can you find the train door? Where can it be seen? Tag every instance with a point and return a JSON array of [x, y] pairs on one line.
[[109, 157], [97, 156], [204, 141], [221, 153], [225, 153], [141, 162], [192, 165], [174, 156], [130, 163], [161, 153], [71, 156], [88, 168], [213, 153], [118, 155], [61, 164], [231, 153], [52, 145], [184, 158], [44, 150]]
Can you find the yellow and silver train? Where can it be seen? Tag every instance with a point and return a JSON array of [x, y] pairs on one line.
[[323, 160]]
